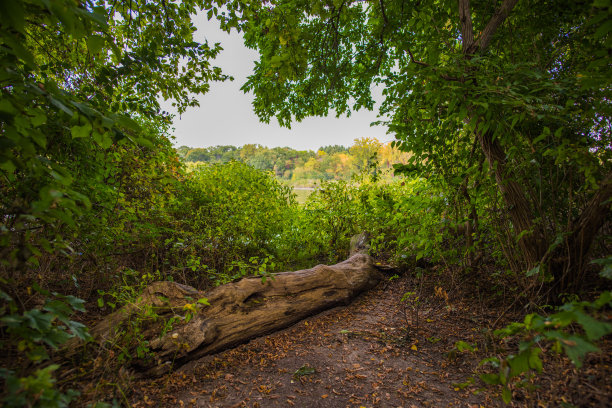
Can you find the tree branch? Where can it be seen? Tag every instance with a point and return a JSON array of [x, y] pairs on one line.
[[487, 34], [424, 64], [415, 61], [382, 11], [465, 18]]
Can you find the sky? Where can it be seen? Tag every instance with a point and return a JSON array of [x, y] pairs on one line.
[[225, 115]]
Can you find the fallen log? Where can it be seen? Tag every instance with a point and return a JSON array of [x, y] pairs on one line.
[[231, 314]]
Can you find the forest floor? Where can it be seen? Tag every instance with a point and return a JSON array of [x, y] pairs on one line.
[[371, 354]]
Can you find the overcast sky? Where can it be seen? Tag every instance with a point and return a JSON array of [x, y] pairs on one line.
[[225, 115]]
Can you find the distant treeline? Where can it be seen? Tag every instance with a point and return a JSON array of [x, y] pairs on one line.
[[333, 162]]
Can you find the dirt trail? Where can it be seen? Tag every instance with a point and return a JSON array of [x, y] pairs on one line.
[[353, 356]]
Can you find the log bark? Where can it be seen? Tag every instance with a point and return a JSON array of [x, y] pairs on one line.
[[238, 311]]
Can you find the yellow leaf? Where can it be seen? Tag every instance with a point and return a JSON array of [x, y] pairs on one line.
[[413, 347], [324, 396]]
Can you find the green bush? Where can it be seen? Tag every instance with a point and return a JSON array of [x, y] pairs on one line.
[[33, 334], [235, 215]]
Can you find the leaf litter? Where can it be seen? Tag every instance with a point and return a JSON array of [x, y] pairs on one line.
[[368, 354]]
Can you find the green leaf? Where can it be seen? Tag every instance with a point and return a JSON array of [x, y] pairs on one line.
[[534, 359], [520, 363], [38, 119], [95, 43], [78, 329], [304, 371], [462, 346], [75, 302], [103, 139], [58, 308], [85, 109], [81, 131], [12, 15], [7, 107], [576, 348], [16, 46], [12, 320], [8, 166], [606, 271], [56, 338], [38, 320], [37, 354], [143, 141], [533, 271], [593, 328], [60, 105], [128, 123], [491, 379], [506, 395]]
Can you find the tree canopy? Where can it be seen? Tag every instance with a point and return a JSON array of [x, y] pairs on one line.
[[501, 113], [305, 167], [77, 79], [522, 85]]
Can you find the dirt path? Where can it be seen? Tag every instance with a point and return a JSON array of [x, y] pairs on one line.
[[353, 356]]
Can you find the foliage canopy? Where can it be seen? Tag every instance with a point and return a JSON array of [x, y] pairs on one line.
[[504, 107], [522, 85]]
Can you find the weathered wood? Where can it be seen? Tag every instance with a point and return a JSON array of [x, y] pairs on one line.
[[238, 311]]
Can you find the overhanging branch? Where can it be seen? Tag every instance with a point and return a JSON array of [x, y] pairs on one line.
[[487, 34]]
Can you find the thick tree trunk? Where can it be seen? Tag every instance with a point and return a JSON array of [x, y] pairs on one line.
[[567, 261], [532, 242], [238, 311]]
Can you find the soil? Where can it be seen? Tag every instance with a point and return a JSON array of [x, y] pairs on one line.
[[373, 353]]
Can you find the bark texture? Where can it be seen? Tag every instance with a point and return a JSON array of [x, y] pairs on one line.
[[532, 243], [567, 261], [238, 311]]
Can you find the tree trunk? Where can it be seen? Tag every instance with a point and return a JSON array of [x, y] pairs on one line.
[[238, 311], [531, 242], [567, 261]]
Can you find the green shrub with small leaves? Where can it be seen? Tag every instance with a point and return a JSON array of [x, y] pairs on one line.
[[235, 215]]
